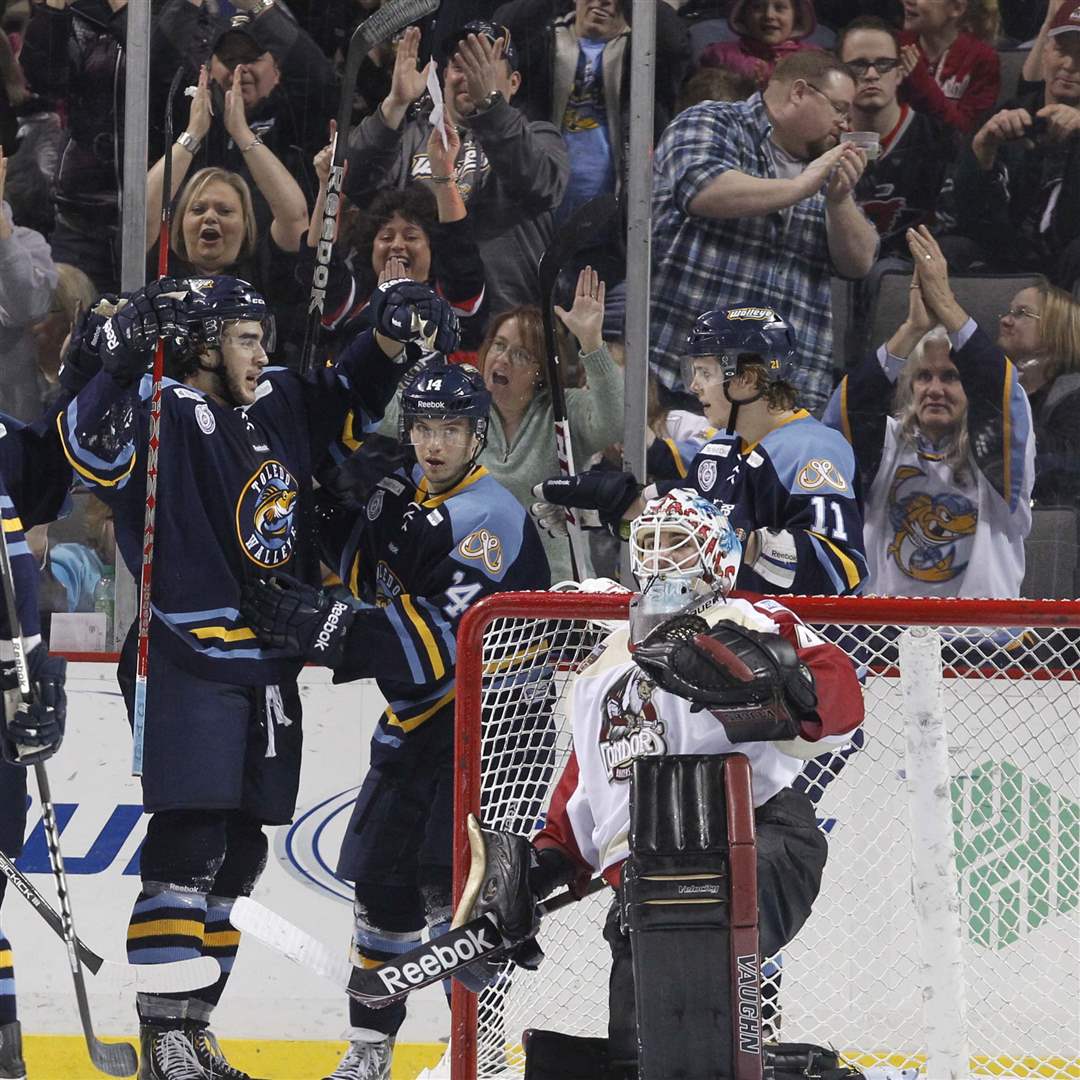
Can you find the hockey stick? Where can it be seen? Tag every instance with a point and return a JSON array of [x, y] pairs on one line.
[[153, 445], [173, 978], [426, 964], [389, 20], [116, 1059], [583, 227]]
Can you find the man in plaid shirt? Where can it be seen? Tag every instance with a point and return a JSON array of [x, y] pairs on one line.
[[754, 198]]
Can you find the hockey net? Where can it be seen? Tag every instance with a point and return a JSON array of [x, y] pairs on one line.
[[968, 755]]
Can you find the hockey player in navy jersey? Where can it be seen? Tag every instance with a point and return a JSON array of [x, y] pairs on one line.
[[786, 481], [223, 736], [431, 539], [702, 672], [34, 479]]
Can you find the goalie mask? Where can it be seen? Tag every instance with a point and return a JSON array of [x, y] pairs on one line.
[[682, 547]]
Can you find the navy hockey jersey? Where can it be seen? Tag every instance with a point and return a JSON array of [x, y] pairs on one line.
[[416, 562], [228, 481], [799, 482]]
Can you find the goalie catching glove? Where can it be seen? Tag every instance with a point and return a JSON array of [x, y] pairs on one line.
[[752, 682], [287, 614]]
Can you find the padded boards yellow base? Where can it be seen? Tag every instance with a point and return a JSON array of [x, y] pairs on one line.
[[63, 1057]]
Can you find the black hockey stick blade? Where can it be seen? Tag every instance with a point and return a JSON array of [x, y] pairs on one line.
[[426, 964], [585, 225]]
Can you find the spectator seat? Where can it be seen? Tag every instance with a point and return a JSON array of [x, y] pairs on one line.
[[1050, 552]]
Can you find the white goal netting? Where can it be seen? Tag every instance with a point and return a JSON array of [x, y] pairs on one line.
[[969, 749]]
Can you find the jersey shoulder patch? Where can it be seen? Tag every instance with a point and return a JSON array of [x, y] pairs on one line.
[[810, 458]]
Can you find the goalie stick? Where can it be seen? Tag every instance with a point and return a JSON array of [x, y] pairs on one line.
[[116, 1059], [173, 978], [426, 964], [390, 19], [584, 226]]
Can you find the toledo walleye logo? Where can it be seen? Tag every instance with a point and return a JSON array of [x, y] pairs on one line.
[[932, 533], [264, 515], [629, 727]]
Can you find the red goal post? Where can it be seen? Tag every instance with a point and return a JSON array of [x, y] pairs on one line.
[[963, 791]]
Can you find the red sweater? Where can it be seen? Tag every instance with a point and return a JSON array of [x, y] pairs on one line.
[[961, 88]]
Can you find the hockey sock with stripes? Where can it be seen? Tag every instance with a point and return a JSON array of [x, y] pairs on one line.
[[167, 924], [371, 947], [221, 941], [7, 982]]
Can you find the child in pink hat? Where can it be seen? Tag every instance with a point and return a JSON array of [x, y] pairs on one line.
[[768, 31]]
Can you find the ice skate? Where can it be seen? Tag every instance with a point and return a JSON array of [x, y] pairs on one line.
[[212, 1060], [12, 1066], [368, 1056], [168, 1054]]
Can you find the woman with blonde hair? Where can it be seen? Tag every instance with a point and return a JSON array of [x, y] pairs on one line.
[[948, 476], [951, 69], [1040, 333]]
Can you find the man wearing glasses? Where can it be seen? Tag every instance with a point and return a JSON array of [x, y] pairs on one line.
[[900, 188], [756, 198]]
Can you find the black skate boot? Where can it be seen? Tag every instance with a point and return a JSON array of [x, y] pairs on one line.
[[168, 1054], [12, 1066], [368, 1056], [208, 1051]]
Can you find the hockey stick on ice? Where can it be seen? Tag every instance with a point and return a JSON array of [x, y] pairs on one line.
[[390, 19], [116, 1059], [426, 964], [586, 225], [174, 978], [153, 446]]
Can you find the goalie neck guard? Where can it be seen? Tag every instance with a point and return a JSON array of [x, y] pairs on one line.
[[682, 547]]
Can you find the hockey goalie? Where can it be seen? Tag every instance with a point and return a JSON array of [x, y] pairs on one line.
[[689, 728]]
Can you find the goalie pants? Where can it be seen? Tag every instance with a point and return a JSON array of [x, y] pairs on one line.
[[791, 853]]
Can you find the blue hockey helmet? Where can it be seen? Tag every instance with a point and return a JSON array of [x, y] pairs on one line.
[[745, 334], [444, 391], [214, 301]]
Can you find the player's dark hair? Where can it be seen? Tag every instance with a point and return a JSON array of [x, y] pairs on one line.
[[869, 23], [415, 203]]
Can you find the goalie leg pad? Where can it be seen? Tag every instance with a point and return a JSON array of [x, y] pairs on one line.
[[690, 904], [551, 1055]]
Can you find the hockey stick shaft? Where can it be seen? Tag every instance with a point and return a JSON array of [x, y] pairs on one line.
[[584, 226], [169, 978], [116, 1059], [146, 576], [389, 20], [426, 964]]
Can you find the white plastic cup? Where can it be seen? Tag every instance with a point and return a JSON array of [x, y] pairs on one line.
[[867, 141]]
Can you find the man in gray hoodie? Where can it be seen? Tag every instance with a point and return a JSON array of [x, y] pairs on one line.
[[512, 173], [27, 280]]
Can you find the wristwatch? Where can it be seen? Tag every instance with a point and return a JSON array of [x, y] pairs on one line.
[[488, 100], [189, 142]]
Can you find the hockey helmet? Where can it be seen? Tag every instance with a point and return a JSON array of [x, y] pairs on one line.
[[445, 391], [684, 535], [213, 302], [741, 335]]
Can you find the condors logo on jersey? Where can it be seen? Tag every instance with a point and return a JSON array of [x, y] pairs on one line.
[[264, 515], [629, 727]]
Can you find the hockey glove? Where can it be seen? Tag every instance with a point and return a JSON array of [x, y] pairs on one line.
[[752, 682], [306, 621], [607, 492], [126, 344], [409, 311], [81, 360], [33, 730]]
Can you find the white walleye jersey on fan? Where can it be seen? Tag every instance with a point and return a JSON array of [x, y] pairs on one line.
[[619, 716], [927, 535]]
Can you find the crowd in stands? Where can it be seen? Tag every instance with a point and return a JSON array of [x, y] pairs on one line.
[[477, 134]]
